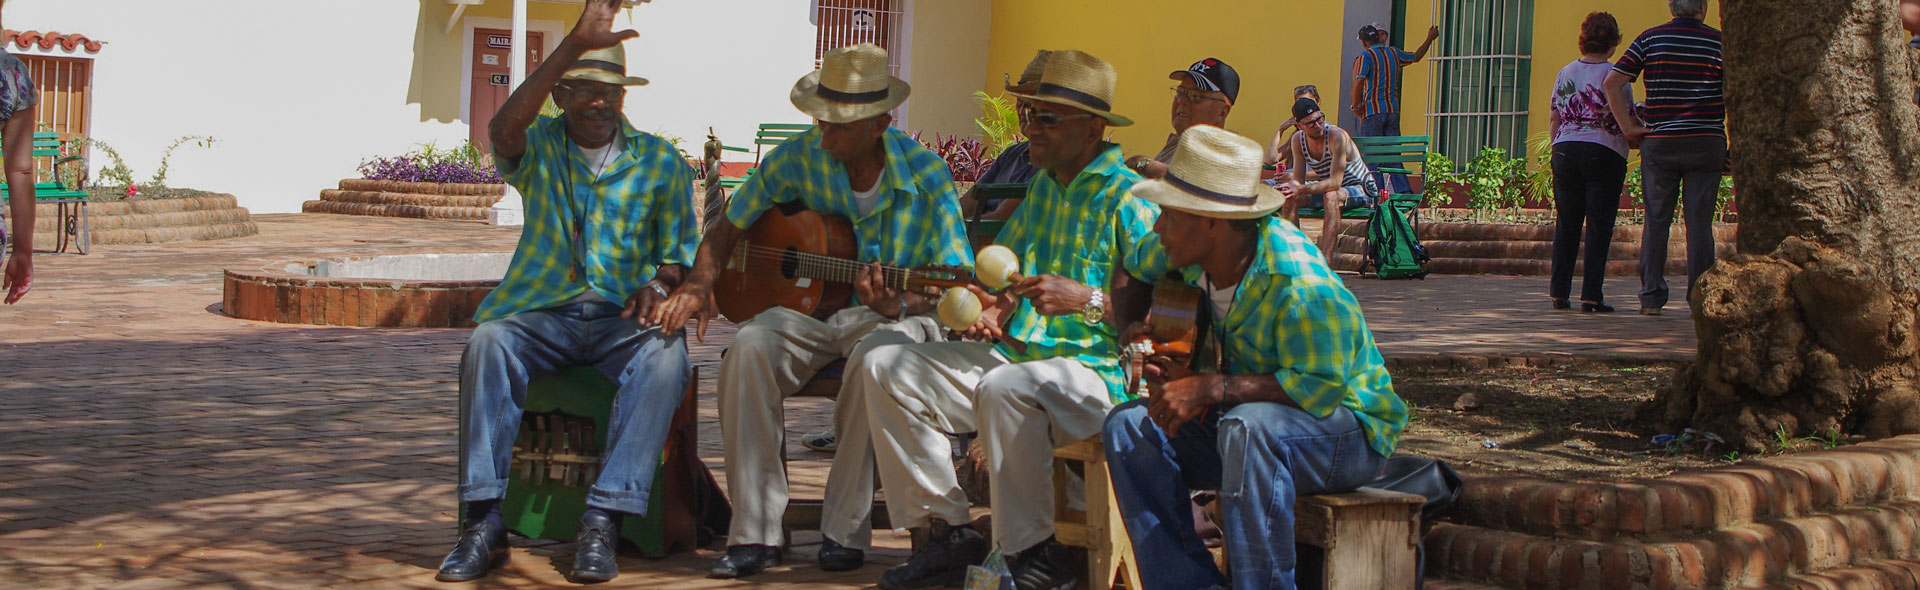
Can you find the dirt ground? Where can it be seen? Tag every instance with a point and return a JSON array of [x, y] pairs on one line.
[[1563, 422]]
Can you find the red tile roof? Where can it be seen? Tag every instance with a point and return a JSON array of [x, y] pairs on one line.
[[47, 40]]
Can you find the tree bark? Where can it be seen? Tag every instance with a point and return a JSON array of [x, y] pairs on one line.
[[1811, 328]]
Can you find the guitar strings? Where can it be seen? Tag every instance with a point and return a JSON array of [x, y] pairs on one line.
[[842, 270]]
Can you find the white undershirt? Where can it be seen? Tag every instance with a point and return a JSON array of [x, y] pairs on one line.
[[1222, 299], [868, 199], [598, 159]]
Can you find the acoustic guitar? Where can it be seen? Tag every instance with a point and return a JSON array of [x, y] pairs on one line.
[[806, 261], [1176, 322]]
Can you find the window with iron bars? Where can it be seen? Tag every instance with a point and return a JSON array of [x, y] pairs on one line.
[[1481, 75]]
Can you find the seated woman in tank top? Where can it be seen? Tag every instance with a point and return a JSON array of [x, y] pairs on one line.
[[1330, 154]]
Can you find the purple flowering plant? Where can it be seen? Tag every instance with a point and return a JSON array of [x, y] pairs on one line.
[[464, 164], [966, 157]]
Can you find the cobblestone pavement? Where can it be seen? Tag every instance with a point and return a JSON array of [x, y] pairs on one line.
[[153, 443]]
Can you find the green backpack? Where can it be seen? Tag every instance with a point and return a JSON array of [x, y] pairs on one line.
[[1393, 251]]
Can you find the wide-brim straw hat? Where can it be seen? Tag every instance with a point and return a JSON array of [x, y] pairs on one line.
[[1214, 173], [851, 85], [607, 64], [1078, 80], [1030, 77]]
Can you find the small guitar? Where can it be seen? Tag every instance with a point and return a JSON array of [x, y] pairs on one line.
[[806, 261], [1175, 323]]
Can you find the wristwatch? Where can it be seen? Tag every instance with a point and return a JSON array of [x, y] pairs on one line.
[[1096, 309], [659, 288], [1140, 164]]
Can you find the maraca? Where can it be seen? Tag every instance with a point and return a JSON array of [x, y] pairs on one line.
[[997, 267], [959, 309]]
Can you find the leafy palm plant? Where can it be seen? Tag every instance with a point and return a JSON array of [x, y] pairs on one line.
[[999, 122]]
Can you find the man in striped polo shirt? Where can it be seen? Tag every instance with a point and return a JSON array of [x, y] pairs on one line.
[[1376, 86], [1683, 141]]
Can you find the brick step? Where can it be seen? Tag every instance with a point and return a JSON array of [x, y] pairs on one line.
[[1892, 574], [1708, 499], [428, 188], [1676, 266], [1734, 557], [158, 235], [1433, 584], [1448, 230], [420, 199], [1526, 249], [414, 211], [101, 222]]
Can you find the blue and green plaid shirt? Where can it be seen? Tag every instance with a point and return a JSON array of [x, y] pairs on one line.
[[637, 217], [1294, 319], [1080, 232], [916, 223]]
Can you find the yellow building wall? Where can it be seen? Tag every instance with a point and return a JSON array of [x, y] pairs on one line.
[[945, 63], [1273, 45], [438, 65]]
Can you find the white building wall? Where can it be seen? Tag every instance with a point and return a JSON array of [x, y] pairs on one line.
[[298, 94]]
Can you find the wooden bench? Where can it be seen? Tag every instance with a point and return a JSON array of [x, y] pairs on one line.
[[1392, 155], [72, 225], [1098, 529], [774, 134]]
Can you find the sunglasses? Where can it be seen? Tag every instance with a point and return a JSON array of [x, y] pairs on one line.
[[1046, 120], [609, 92], [1193, 96]]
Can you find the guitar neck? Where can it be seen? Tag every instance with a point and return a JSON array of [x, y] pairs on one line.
[[840, 270]]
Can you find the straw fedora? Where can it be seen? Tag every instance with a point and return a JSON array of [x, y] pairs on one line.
[[1214, 173], [1030, 77], [1079, 80], [607, 64], [852, 84]]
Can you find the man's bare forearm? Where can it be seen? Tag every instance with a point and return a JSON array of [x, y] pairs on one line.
[[1243, 389], [715, 248], [508, 130]]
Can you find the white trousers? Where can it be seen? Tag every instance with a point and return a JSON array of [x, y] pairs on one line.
[[918, 393], [772, 356]]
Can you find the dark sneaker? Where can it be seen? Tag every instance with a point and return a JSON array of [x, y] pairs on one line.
[[744, 560], [824, 442], [835, 557], [593, 559], [482, 547], [1041, 567], [940, 562]]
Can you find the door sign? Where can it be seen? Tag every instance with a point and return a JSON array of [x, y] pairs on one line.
[[497, 79], [500, 41]]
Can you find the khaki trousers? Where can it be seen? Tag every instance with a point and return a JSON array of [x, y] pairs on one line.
[[918, 393], [771, 357]]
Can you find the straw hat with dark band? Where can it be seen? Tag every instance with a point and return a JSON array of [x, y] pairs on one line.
[[1214, 173], [1077, 80], [1030, 77], [851, 85], [607, 64]]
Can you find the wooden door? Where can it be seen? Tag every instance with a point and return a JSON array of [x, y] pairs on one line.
[[492, 77]]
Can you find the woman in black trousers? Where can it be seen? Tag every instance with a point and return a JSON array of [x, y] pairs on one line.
[[1589, 164]]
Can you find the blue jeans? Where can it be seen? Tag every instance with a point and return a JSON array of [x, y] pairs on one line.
[[1259, 456], [1385, 125], [1357, 198], [504, 355]]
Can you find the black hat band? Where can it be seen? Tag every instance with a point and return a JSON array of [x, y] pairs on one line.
[[601, 65], [851, 97], [1058, 91], [1207, 194]]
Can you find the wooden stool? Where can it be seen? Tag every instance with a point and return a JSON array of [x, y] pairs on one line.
[[1368, 535], [1099, 529]]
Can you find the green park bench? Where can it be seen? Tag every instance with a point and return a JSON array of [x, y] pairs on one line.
[[1392, 155], [73, 226]]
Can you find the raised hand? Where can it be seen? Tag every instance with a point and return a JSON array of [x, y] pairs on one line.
[[595, 29]]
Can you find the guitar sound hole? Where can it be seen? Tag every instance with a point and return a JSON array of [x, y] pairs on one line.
[[789, 264]]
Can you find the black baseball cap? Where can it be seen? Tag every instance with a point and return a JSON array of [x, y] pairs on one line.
[[1212, 75], [1303, 107]]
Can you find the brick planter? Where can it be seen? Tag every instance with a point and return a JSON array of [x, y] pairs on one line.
[[286, 292], [429, 200], [1520, 249], [1843, 518]]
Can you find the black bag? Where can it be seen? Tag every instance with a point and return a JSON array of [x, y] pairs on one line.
[[1429, 478]]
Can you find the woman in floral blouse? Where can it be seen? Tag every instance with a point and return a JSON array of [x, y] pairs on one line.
[[1589, 164]]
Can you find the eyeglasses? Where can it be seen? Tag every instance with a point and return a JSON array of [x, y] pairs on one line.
[[1192, 96], [608, 92], [1046, 120]]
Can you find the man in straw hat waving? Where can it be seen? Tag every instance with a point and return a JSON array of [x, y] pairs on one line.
[[1073, 230], [609, 230], [1304, 406], [900, 197]]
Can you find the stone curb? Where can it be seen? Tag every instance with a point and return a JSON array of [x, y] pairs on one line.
[[1887, 575], [413, 211], [1707, 499], [390, 198], [425, 188], [1737, 557], [1530, 360]]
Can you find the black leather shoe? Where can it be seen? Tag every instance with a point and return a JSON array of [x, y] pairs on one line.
[[744, 560], [835, 557], [593, 547], [940, 562], [1589, 307], [1042, 567], [1559, 303], [482, 547]]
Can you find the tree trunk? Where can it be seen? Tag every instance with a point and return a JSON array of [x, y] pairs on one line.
[[1811, 328]]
